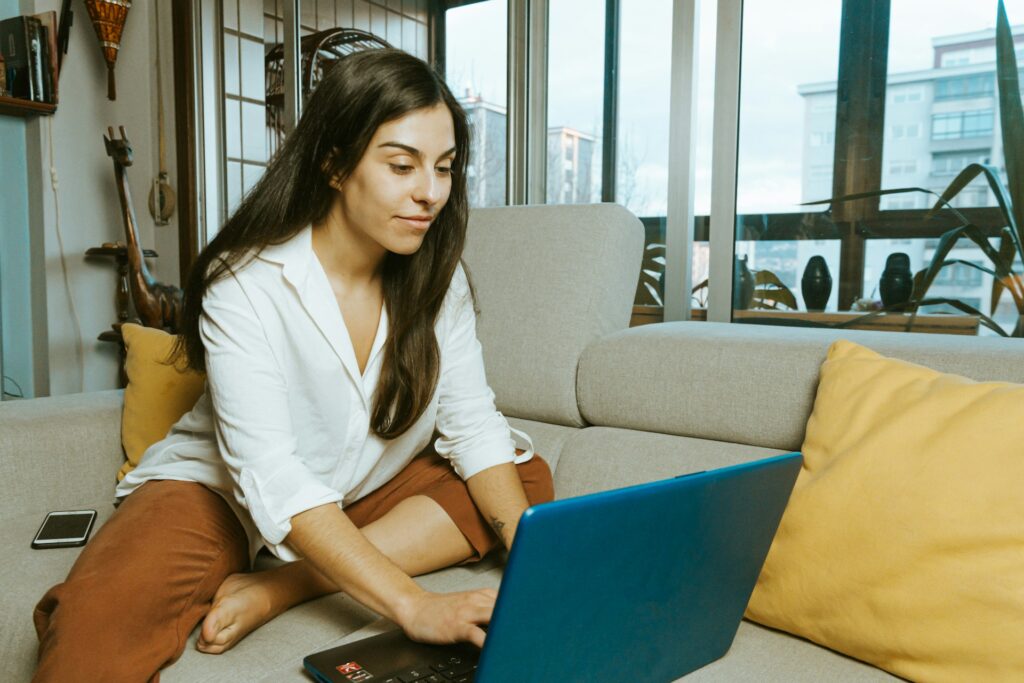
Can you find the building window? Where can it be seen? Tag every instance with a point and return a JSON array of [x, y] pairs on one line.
[[962, 124], [907, 95], [959, 87], [906, 130], [823, 139], [951, 163], [902, 167]]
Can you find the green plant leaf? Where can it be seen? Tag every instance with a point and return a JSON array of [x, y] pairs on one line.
[[898, 190], [946, 243], [779, 296], [699, 286], [1011, 115], [970, 264], [1006, 251], [969, 173]]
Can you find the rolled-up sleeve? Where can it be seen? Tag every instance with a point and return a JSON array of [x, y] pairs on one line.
[[252, 421], [474, 435]]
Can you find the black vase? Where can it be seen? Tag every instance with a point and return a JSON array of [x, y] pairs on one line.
[[816, 284], [742, 285], [897, 283]]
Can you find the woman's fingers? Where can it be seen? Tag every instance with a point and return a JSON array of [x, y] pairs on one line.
[[476, 636]]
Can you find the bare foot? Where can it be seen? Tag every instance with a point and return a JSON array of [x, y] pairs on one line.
[[242, 603]]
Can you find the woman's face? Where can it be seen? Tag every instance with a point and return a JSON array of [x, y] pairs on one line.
[[402, 181]]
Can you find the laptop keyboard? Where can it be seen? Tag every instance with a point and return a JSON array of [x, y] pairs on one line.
[[452, 670]]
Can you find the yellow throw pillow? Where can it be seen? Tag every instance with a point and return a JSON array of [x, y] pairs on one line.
[[903, 541], [157, 395]]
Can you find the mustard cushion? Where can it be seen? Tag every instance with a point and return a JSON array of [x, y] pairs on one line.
[[157, 395], [903, 541]]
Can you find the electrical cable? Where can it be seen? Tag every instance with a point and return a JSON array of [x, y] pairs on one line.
[[63, 261]]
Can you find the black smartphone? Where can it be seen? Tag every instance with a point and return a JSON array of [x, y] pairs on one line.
[[65, 529]]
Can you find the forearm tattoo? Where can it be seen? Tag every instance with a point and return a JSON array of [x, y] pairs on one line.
[[497, 525]]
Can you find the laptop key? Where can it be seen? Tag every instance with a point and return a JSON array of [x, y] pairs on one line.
[[414, 674], [459, 670]]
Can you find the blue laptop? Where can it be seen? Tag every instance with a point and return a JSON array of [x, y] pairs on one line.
[[645, 583]]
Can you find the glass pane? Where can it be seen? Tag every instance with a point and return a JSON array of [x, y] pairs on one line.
[[936, 112], [378, 22], [231, 75], [250, 17], [253, 76], [645, 59], [477, 75], [575, 102], [361, 15], [234, 185], [254, 132], [232, 128]]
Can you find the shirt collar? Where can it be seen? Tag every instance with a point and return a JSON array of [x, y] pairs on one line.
[[293, 255]]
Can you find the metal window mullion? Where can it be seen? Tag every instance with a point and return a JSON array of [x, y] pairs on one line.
[[682, 145], [725, 143], [292, 76], [537, 103], [612, 26], [518, 26], [526, 141]]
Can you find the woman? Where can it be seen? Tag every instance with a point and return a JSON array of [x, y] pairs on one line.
[[337, 331]]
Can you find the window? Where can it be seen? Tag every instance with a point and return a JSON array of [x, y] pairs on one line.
[[575, 101], [951, 163], [902, 167], [906, 130], [477, 74], [963, 124], [975, 85], [960, 275], [934, 62], [823, 139], [906, 95]]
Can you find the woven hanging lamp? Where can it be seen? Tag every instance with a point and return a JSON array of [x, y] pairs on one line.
[[108, 17]]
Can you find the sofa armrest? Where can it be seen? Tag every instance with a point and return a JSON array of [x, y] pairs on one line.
[[60, 452]]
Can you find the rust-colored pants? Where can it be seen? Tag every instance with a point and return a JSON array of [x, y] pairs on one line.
[[149, 575]]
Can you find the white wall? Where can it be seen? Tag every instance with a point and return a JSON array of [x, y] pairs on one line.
[[89, 208]]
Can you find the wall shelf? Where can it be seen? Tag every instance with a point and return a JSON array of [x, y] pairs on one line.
[[17, 106]]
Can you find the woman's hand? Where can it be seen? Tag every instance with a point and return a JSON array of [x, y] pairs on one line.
[[445, 618]]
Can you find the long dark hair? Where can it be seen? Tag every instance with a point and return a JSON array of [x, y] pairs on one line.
[[358, 94]]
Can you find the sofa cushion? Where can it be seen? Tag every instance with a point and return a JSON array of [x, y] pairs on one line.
[[602, 458], [59, 453], [751, 384], [157, 394], [549, 280], [901, 544], [25, 575]]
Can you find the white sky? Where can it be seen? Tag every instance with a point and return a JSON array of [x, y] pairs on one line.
[[780, 51]]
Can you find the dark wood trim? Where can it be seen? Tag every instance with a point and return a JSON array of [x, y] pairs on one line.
[[436, 36], [185, 95], [859, 132]]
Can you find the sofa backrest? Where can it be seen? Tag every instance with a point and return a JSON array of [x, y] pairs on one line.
[[549, 281], [750, 384]]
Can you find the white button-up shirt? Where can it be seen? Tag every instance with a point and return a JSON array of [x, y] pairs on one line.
[[284, 423]]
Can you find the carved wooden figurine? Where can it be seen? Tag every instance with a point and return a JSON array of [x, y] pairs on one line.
[[157, 305]]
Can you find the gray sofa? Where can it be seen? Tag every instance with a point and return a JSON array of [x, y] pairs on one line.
[[607, 406]]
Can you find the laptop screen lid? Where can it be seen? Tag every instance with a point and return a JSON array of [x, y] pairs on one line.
[[644, 583]]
